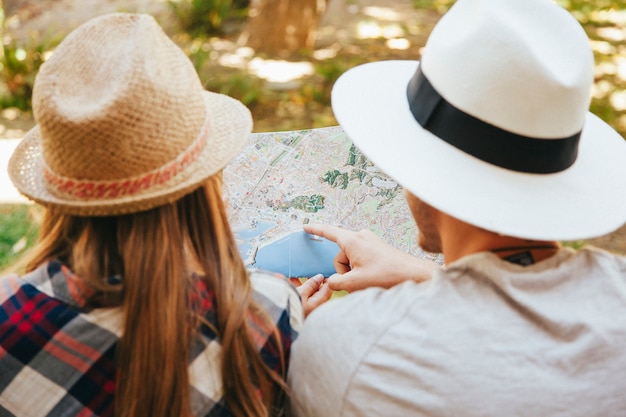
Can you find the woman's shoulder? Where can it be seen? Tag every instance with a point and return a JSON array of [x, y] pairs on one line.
[[276, 295], [264, 277], [271, 283], [37, 280], [10, 285]]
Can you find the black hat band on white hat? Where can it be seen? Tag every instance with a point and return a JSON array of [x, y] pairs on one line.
[[483, 140]]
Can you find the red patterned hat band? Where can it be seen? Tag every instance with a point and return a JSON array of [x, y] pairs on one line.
[[103, 190]]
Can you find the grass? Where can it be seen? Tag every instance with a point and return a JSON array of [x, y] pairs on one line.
[[18, 231]]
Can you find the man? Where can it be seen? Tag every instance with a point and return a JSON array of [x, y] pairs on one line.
[[491, 139]]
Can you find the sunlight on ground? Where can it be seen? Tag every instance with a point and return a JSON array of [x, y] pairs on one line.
[[603, 47], [620, 62], [8, 193], [372, 30], [601, 89], [10, 114], [398, 44], [280, 71], [618, 100], [275, 71], [392, 32], [326, 53], [616, 17], [12, 124], [613, 34], [237, 59], [382, 13]]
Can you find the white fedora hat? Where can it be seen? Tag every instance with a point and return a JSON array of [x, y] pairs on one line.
[[504, 139], [123, 122]]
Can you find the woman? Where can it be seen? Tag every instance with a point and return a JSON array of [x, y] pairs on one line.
[[136, 301]]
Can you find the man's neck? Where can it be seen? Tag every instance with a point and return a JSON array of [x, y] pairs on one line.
[[459, 239]]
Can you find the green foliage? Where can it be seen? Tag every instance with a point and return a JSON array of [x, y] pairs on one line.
[[327, 71], [336, 178], [582, 9], [18, 66], [603, 22], [576, 244], [207, 16], [241, 85], [585, 8], [359, 172], [308, 203], [18, 231], [234, 82], [440, 5]]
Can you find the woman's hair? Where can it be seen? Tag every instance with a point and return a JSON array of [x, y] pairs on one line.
[[151, 251]]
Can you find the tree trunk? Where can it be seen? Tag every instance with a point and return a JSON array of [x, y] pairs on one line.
[[283, 28]]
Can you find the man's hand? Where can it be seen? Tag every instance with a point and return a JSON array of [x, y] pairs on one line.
[[364, 260]]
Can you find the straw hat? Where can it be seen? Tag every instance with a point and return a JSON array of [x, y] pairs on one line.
[[123, 122], [493, 126]]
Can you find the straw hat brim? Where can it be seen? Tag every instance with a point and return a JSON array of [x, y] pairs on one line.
[[586, 200], [229, 128]]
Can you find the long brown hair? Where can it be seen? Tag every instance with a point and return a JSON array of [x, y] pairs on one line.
[[150, 251]]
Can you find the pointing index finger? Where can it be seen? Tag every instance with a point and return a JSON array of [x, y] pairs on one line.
[[324, 230]]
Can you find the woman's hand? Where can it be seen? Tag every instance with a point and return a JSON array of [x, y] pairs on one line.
[[314, 292]]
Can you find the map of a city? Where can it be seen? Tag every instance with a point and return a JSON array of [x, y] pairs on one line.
[[283, 180]]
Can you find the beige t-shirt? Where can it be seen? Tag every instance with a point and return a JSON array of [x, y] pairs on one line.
[[484, 337]]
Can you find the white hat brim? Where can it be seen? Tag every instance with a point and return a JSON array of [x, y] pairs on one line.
[[586, 200]]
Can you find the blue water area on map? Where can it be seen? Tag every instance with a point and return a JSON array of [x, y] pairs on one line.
[[249, 235], [298, 254]]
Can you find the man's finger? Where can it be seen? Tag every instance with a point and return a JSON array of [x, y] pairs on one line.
[[341, 282], [325, 230], [341, 262]]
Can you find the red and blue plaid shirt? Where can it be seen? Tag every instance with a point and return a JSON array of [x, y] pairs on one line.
[[57, 350]]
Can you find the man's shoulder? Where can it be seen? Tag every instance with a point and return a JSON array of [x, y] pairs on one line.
[[370, 309], [594, 261], [611, 259], [338, 338]]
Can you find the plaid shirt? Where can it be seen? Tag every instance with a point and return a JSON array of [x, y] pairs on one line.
[[57, 352]]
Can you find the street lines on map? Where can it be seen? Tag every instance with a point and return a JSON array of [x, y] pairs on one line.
[[288, 150]]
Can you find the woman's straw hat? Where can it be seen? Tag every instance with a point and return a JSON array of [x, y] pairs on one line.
[[492, 127], [123, 122]]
